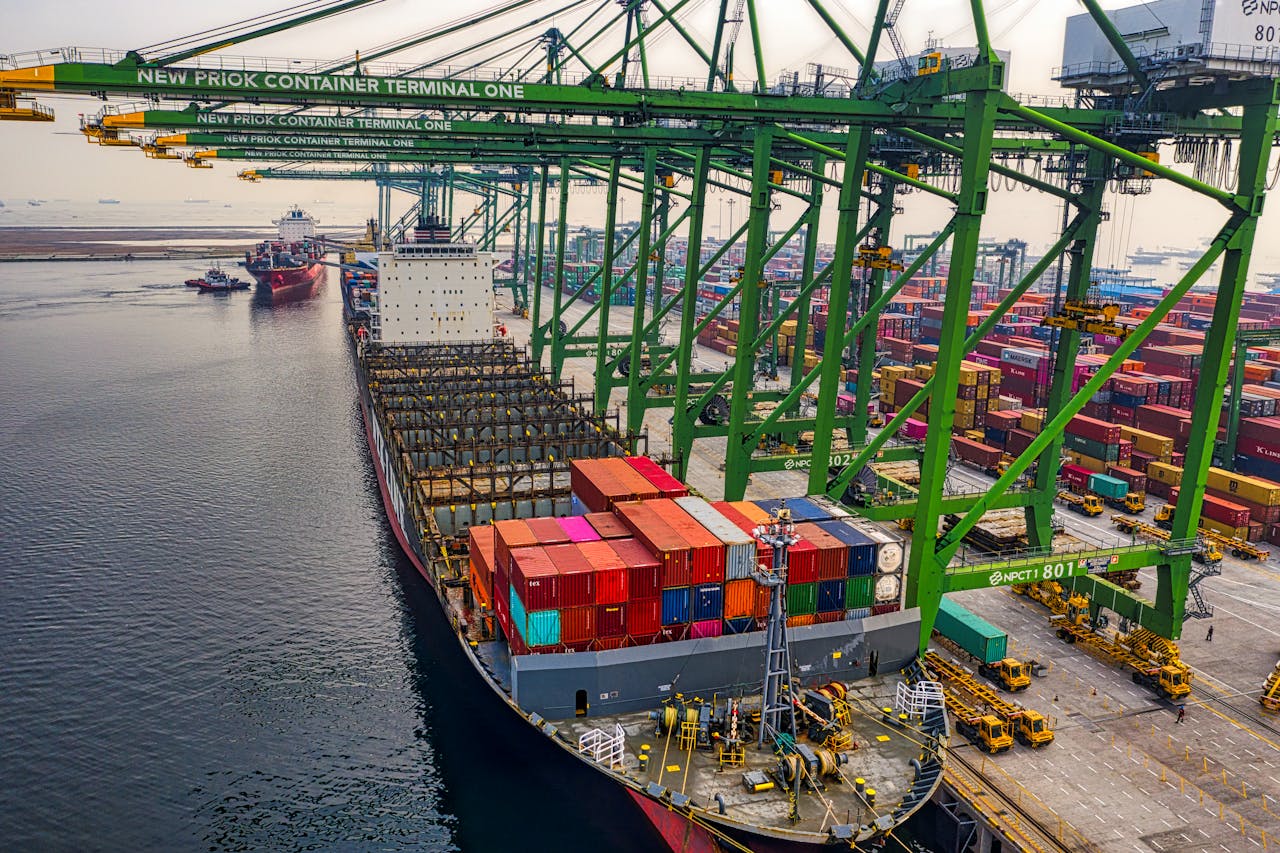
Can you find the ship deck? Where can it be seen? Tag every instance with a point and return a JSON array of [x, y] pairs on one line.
[[881, 756]]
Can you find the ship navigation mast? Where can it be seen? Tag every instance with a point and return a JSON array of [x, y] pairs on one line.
[[777, 714]]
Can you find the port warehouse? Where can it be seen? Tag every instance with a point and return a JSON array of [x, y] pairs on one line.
[[1045, 382]]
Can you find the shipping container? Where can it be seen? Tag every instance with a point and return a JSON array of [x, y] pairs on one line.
[[801, 509], [644, 570], [510, 534], [644, 616], [739, 548], [889, 546], [708, 601], [611, 620], [610, 571], [802, 598], [578, 529], [971, 632], [862, 551], [707, 551], [1093, 429], [577, 583], [480, 548], [547, 530], [859, 591], [671, 549], [831, 595], [703, 628], [832, 556], [1108, 487], [740, 626], [801, 620], [601, 483], [608, 525], [1255, 489], [578, 624], [888, 588], [535, 579], [667, 485], [1076, 476], [739, 599], [676, 602]]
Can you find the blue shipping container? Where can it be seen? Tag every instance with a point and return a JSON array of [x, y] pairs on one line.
[[739, 626], [862, 551], [544, 628], [675, 605], [1256, 467], [801, 509], [830, 596], [995, 437], [518, 617], [708, 601]]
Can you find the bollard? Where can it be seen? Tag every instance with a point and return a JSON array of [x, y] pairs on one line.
[[1188, 753]]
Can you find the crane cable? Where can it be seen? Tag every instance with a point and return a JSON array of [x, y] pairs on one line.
[[228, 31]]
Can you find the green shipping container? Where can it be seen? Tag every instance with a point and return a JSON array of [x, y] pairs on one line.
[[802, 599], [1108, 487], [859, 592], [1089, 447], [971, 632]]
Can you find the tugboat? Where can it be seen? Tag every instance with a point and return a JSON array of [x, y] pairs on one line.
[[217, 281]]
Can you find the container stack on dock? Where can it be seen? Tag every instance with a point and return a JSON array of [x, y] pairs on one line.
[[654, 567]]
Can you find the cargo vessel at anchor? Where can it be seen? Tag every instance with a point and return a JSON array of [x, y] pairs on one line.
[[634, 636], [295, 258]]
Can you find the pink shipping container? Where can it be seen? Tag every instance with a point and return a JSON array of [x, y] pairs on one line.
[[577, 577], [578, 529], [667, 485], [706, 628], [608, 525], [644, 570], [914, 429], [610, 571], [535, 579]]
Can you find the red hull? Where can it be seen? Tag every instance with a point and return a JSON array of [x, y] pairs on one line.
[[283, 278]]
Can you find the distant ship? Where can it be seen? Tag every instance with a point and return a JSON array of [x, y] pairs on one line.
[[108, 201], [195, 201], [293, 259]]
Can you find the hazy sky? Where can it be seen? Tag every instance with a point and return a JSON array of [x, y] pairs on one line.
[[52, 161]]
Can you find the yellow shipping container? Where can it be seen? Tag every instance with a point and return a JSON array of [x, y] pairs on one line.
[[731, 350], [1148, 442], [924, 371], [968, 376], [788, 328], [1165, 473], [966, 406], [976, 435], [1097, 466], [1252, 489], [729, 334], [984, 392], [810, 361], [1032, 420], [1219, 527], [893, 372]]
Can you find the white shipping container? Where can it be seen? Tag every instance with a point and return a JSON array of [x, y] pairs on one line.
[[1023, 357]]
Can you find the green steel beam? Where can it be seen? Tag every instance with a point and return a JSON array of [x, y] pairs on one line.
[[737, 471], [870, 306], [557, 296], [682, 421], [1046, 566], [635, 390], [813, 218], [606, 283], [924, 571]]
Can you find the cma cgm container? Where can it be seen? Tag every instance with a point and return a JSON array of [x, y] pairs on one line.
[[971, 632]]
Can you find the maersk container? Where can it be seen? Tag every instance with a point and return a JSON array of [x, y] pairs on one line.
[[971, 632], [1108, 487]]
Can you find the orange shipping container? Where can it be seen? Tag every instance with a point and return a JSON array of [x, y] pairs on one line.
[[751, 511], [740, 599], [797, 621]]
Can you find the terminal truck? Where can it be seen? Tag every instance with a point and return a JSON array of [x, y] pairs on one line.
[[1101, 488], [1152, 660]]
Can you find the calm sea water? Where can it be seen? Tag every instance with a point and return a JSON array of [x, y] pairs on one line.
[[208, 636]]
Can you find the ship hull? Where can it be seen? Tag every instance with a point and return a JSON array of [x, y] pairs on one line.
[[285, 278]]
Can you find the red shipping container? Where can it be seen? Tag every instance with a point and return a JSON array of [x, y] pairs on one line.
[[1136, 479], [1099, 431], [707, 548], [610, 571], [1264, 431], [830, 616], [611, 620], [548, 531], [1227, 512], [667, 485], [1158, 488], [608, 525], [535, 579], [509, 535], [644, 571], [672, 633], [880, 609], [671, 549], [1018, 440], [832, 561], [1075, 475], [1257, 449], [577, 624], [802, 562], [644, 616], [764, 553], [605, 644], [481, 542], [577, 577]]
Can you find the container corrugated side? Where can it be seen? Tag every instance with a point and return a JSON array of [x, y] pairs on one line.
[[577, 576], [644, 570], [970, 632], [610, 571], [739, 548], [671, 549], [707, 557]]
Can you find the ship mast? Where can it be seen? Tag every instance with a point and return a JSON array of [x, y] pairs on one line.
[[777, 716]]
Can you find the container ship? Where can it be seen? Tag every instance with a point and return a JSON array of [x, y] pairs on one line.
[[745, 692], [294, 259]]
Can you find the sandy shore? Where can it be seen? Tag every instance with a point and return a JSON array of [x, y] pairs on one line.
[[37, 243]]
